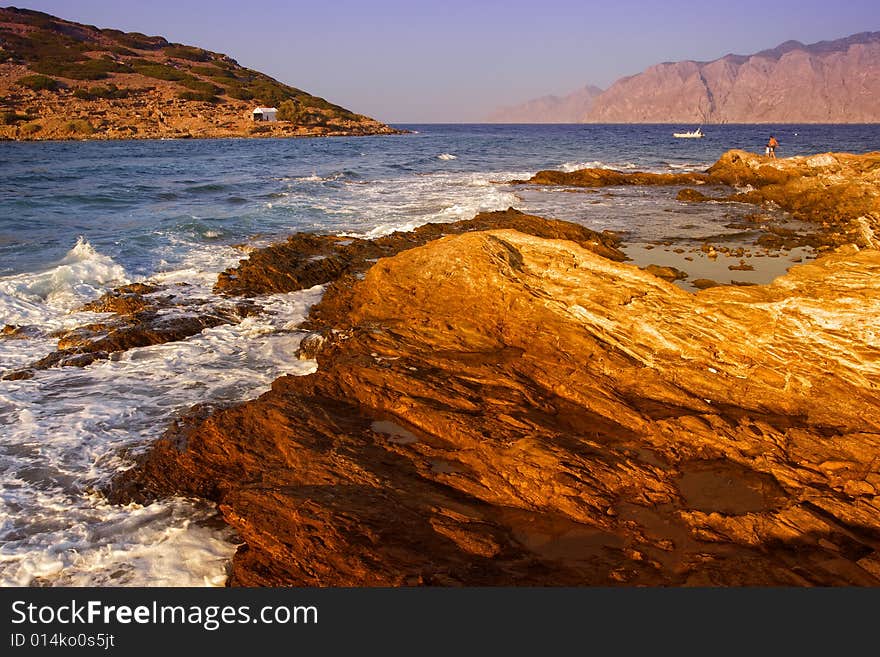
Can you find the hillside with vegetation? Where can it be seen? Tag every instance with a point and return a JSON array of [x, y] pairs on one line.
[[65, 80]]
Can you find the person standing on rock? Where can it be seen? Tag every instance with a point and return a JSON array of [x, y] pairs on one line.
[[771, 147]]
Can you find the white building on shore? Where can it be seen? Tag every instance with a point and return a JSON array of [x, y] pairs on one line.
[[265, 114]]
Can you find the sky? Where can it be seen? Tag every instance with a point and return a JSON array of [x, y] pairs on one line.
[[457, 60]]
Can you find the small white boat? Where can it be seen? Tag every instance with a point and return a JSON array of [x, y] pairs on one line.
[[693, 134]]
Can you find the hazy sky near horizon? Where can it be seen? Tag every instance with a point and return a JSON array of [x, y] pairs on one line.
[[456, 61]]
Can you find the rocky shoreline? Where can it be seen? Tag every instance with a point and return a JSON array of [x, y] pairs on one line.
[[506, 401]]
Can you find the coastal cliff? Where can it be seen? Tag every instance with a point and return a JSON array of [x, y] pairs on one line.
[[826, 82], [65, 80], [511, 406]]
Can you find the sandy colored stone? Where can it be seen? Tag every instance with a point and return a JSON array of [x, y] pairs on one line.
[[486, 398]]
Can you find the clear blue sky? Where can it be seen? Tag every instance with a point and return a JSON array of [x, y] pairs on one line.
[[408, 61]]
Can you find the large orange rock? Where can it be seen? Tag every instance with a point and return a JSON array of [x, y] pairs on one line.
[[499, 408]]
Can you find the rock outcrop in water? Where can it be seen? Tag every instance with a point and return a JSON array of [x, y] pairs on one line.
[[139, 315], [838, 191], [497, 407]]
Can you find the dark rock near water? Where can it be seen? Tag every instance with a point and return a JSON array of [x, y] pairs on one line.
[[666, 273], [306, 259]]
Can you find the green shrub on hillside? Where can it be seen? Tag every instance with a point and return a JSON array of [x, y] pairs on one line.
[[196, 95], [13, 118], [38, 46], [188, 52], [270, 94], [239, 92], [137, 40], [39, 83], [89, 69], [201, 86], [159, 71], [79, 127], [30, 128], [213, 72], [110, 92], [291, 111]]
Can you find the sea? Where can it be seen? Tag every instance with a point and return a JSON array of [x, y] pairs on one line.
[[80, 218]]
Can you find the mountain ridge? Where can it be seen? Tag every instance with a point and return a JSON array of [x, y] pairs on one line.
[[831, 81]]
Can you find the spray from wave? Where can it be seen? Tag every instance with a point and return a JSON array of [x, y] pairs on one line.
[[80, 276]]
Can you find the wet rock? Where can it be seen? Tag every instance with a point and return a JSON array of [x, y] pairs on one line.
[[140, 318], [742, 265], [15, 332], [729, 431], [310, 346], [666, 273], [125, 300], [306, 259], [18, 375], [611, 178], [704, 283], [836, 190], [688, 195]]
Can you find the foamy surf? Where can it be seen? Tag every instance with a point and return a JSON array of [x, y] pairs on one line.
[[568, 167], [78, 277], [403, 203], [67, 431], [447, 156]]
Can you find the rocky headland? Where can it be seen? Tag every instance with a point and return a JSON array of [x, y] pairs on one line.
[[506, 401], [66, 80]]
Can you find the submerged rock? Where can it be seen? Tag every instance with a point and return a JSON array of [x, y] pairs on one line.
[[499, 408], [140, 316], [666, 273]]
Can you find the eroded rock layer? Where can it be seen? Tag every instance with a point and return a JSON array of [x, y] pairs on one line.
[[499, 408]]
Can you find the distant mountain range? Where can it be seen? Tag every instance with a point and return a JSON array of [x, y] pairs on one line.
[[573, 108], [826, 82]]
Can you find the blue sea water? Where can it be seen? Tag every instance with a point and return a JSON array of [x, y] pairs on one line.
[[77, 218], [137, 201]]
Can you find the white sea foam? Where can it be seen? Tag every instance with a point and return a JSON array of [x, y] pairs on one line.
[[316, 178], [568, 167], [76, 278], [404, 203], [67, 431], [447, 156]]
